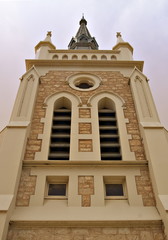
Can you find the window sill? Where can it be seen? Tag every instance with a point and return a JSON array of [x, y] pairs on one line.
[[116, 198], [56, 198]]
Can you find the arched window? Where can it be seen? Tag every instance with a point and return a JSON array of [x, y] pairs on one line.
[[94, 57], [108, 129], [84, 57], [74, 57], [61, 128], [64, 57], [55, 57], [103, 57], [113, 57]]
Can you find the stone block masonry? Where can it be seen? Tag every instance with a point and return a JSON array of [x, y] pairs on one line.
[[55, 82], [85, 145], [26, 188], [85, 128], [86, 233], [86, 189], [84, 113], [144, 187]]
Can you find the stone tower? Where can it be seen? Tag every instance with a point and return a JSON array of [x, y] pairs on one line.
[[84, 156]]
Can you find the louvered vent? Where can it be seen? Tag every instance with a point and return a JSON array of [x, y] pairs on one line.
[[60, 136], [109, 138]]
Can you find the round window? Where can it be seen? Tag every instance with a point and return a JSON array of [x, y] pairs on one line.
[[84, 82]]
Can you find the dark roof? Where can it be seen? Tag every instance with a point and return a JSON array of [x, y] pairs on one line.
[[83, 38]]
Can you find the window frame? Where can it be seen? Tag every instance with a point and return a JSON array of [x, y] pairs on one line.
[[115, 180], [56, 180], [119, 104]]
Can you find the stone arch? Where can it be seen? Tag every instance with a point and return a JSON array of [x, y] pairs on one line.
[[84, 57], [61, 130], [113, 57], [112, 95], [94, 57], [103, 57], [57, 100], [74, 57], [115, 102], [55, 57], [108, 130], [65, 57]]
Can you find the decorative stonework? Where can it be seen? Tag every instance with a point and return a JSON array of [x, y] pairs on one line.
[[85, 128], [25, 101], [54, 82], [85, 145], [26, 188], [86, 233], [143, 99], [91, 82], [144, 187], [86, 189], [84, 113]]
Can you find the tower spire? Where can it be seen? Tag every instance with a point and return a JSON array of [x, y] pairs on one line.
[[83, 38]]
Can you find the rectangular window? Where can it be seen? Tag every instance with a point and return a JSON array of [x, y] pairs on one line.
[[57, 190], [115, 187], [56, 187], [114, 190]]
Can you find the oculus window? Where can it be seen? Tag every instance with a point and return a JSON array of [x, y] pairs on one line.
[[84, 82]]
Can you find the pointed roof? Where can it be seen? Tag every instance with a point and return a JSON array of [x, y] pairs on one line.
[[83, 29], [83, 38]]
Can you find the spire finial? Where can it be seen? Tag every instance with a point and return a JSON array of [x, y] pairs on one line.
[[118, 34], [83, 20], [119, 37], [49, 33], [48, 36]]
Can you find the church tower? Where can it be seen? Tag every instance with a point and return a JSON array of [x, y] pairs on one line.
[[84, 156]]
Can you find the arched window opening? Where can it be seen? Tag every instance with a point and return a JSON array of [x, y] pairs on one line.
[[60, 133], [113, 57], [108, 129], [74, 57], [55, 57], [64, 57], [94, 57], [84, 57], [103, 57]]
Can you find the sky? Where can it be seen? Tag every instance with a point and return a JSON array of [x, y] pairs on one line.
[[143, 23]]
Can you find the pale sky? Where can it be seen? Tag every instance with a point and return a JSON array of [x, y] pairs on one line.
[[143, 23]]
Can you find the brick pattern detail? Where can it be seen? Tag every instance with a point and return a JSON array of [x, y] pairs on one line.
[[85, 128], [84, 113], [144, 187], [85, 145], [84, 233], [26, 188], [86, 189], [55, 81]]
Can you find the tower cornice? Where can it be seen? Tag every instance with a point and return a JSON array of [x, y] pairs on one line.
[[84, 63], [66, 51], [44, 43], [123, 44]]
